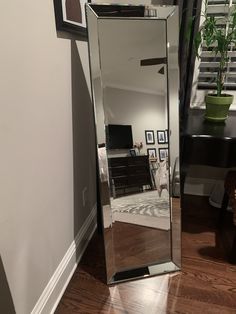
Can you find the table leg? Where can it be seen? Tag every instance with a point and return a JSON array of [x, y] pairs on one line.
[[223, 209]]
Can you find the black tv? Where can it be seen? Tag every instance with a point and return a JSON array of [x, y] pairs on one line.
[[119, 136]]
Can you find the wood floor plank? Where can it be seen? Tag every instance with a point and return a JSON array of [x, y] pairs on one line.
[[141, 245], [206, 283]]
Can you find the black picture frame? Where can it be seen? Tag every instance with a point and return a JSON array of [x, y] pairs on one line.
[[161, 137], [152, 152], [149, 136], [69, 21], [163, 153]]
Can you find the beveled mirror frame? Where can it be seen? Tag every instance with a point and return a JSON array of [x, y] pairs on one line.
[[96, 13]]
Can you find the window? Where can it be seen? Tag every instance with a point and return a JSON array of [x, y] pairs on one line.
[[205, 68]]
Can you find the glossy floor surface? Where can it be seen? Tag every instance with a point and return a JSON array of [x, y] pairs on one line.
[[206, 284], [139, 246]]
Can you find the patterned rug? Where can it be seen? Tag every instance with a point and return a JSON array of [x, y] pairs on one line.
[[146, 203]]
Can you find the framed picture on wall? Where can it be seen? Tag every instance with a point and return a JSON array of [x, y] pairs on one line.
[[152, 153], [163, 153], [70, 16], [161, 137], [149, 135]]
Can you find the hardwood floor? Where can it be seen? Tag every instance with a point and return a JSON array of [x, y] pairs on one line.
[[206, 283], [138, 246]]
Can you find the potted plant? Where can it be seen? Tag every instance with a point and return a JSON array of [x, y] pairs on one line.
[[218, 41]]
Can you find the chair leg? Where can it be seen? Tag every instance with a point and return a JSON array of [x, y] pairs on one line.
[[223, 210], [232, 256]]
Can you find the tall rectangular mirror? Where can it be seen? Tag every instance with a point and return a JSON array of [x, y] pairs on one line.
[[134, 73]]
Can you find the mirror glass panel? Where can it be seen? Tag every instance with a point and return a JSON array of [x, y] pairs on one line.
[[131, 60]]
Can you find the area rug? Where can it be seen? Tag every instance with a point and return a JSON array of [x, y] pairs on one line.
[[146, 209]]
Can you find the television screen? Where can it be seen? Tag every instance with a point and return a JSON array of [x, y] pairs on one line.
[[119, 136]]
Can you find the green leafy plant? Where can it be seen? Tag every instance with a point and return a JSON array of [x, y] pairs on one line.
[[218, 40]]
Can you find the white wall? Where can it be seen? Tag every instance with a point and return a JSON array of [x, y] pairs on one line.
[[142, 111], [47, 157]]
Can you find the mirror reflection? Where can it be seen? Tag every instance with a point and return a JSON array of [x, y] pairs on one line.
[[130, 91]]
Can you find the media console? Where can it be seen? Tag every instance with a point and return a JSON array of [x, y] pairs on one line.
[[129, 173]]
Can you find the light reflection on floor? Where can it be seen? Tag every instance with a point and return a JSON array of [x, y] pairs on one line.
[[146, 296]]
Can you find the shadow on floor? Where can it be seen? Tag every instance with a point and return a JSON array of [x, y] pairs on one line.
[[6, 301], [198, 216], [93, 261]]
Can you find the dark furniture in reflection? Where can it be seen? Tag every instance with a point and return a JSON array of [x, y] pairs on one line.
[[211, 144], [129, 174]]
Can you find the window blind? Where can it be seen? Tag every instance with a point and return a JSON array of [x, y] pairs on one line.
[[208, 60]]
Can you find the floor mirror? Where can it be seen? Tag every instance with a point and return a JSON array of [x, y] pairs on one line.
[[133, 53]]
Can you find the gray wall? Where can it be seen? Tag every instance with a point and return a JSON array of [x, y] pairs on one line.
[[142, 111], [47, 147]]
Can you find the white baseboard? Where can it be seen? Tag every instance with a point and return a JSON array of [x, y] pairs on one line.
[[196, 186], [55, 288]]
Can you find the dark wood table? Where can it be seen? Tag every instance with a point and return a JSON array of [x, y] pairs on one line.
[[208, 143]]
